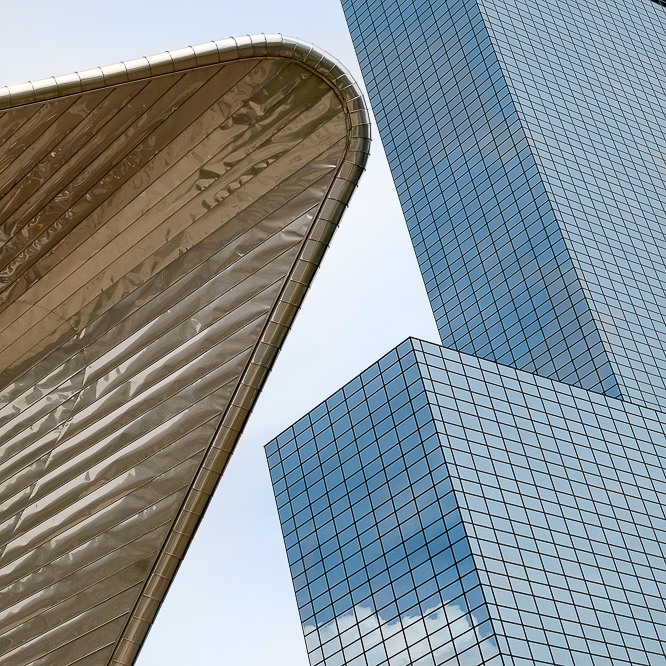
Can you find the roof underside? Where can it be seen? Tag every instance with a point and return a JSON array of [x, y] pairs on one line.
[[158, 236]]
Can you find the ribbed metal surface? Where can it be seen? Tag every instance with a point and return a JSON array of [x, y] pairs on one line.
[[160, 222]]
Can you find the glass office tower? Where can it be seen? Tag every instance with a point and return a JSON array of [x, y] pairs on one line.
[[527, 147], [444, 509], [499, 499]]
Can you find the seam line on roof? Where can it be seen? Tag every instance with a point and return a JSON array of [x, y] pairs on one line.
[[281, 317]]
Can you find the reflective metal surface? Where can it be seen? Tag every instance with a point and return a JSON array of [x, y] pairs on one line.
[[160, 222]]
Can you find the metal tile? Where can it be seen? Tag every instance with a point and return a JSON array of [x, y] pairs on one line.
[[160, 222]]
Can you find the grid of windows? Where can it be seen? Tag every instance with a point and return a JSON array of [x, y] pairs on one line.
[[562, 495], [381, 565], [525, 148], [499, 276], [443, 509], [505, 507], [588, 80]]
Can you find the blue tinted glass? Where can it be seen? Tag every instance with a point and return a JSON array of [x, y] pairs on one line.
[[539, 533], [478, 508]]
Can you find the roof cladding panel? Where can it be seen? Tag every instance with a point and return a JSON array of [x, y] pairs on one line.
[[159, 231]]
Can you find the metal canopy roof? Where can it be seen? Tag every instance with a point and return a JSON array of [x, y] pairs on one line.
[[160, 222]]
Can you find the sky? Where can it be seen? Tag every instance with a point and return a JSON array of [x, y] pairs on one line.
[[232, 601]]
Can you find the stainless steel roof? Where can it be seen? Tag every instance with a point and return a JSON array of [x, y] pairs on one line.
[[160, 222]]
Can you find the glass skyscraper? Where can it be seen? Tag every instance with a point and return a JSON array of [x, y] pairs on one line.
[[444, 509], [500, 499], [527, 148]]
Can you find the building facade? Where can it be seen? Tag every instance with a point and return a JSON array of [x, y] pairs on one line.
[[531, 174], [499, 499], [160, 222], [444, 509]]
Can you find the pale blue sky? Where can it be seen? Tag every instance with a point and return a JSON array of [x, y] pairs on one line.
[[232, 602]]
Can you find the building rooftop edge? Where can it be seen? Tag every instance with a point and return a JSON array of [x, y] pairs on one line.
[[209, 53], [470, 359]]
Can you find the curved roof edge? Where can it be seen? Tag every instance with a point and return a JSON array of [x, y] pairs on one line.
[[274, 334], [210, 53], [282, 316]]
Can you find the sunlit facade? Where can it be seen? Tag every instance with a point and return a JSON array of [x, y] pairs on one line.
[[499, 499], [523, 144]]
